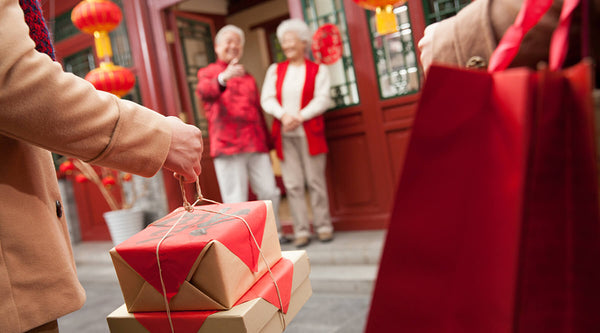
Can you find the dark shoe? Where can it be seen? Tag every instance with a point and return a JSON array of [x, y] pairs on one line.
[[302, 241], [325, 236], [284, 240]]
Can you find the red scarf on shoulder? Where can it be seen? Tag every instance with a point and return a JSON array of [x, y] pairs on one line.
[[37, 26]]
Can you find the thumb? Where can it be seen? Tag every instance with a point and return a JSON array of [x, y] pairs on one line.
[[233, 61]]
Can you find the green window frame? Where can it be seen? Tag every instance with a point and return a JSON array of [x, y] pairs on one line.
[[395, 57], [80, 63], [275, 48], [344, 89], [62, 27], [198, 51], [437, 10]]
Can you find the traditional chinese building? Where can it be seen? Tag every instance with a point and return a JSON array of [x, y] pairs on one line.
[[375, 84]]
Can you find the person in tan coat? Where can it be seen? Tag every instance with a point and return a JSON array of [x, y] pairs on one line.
[[44, 109], [469, 38]]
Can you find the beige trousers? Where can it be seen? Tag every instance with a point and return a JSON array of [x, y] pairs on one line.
[[299, 169]]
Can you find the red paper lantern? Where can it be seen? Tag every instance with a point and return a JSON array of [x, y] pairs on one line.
[[108, 181], [66, 167], [327, 44], [96, 15], [80, 178], [114, 79], [384, 15]]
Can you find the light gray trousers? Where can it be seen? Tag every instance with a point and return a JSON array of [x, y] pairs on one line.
[[300, 169]]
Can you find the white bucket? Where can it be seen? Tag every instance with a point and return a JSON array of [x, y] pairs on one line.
[[124, 223]]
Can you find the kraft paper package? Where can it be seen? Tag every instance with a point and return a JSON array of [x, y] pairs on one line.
[[208, 257], [256, 311]]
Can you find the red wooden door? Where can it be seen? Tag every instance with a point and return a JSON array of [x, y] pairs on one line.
[[191, 46], [368, 137]]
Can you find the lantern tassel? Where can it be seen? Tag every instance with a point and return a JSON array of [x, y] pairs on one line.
[[386, 20], [103, 48]]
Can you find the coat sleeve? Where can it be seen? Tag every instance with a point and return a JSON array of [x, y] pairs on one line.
[[467, 34], [268, 95], [208, 88], [44, 106]]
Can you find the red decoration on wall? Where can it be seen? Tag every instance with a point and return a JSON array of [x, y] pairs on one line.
[[327, 44]]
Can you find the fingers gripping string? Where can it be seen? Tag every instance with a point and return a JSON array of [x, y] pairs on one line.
[[189, 208], [186, 204]]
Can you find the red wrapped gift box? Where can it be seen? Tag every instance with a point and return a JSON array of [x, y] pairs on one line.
[[207, 261], [256, 311]]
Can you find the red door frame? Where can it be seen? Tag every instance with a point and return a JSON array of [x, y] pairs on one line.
[[361, 198]]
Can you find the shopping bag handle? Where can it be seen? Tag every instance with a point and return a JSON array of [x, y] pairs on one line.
[[529, 15]]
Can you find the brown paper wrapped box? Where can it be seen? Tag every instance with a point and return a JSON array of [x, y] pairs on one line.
[[207, 261], [255, 315]]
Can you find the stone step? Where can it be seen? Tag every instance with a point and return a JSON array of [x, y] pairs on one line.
[[347, 248], [343, 279], [92, 253]]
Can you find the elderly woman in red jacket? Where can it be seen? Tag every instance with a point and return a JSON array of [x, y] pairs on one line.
[[296, 93]]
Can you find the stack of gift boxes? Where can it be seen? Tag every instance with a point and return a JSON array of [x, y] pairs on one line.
[[216, 268]]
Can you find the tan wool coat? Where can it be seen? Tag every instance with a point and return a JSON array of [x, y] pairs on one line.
[[476, 30], [43, 109]]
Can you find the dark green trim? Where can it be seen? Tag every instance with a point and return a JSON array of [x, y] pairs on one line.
[[383, 40], [62, 27], [451, 7], [341, 94]]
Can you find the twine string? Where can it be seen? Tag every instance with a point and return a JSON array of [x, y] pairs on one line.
[[190, 208], [262, 256]]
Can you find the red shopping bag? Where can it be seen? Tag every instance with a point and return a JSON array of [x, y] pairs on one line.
[[495, 225]]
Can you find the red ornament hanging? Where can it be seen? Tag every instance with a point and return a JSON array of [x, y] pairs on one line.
[[108, 181], [96, 15], [66, 167], [327, 44], [81, 178], [384, 13], [114, 79], [127, 177], [99, 17]]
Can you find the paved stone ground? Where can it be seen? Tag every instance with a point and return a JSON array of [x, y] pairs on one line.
[[323, 313], [329, 310]]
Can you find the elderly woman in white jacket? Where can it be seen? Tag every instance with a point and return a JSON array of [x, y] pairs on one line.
[[296, 93]]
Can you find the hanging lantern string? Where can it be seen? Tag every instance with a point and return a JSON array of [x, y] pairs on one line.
[[189, 208]]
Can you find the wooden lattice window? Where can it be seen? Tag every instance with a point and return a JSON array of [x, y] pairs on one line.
[[80, 63], [395, 57], [62, 27], [344, 90], [437, 10], [198, 51]]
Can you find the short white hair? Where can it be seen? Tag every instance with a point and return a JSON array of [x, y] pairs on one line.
[[296, 26], [227, 28]]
